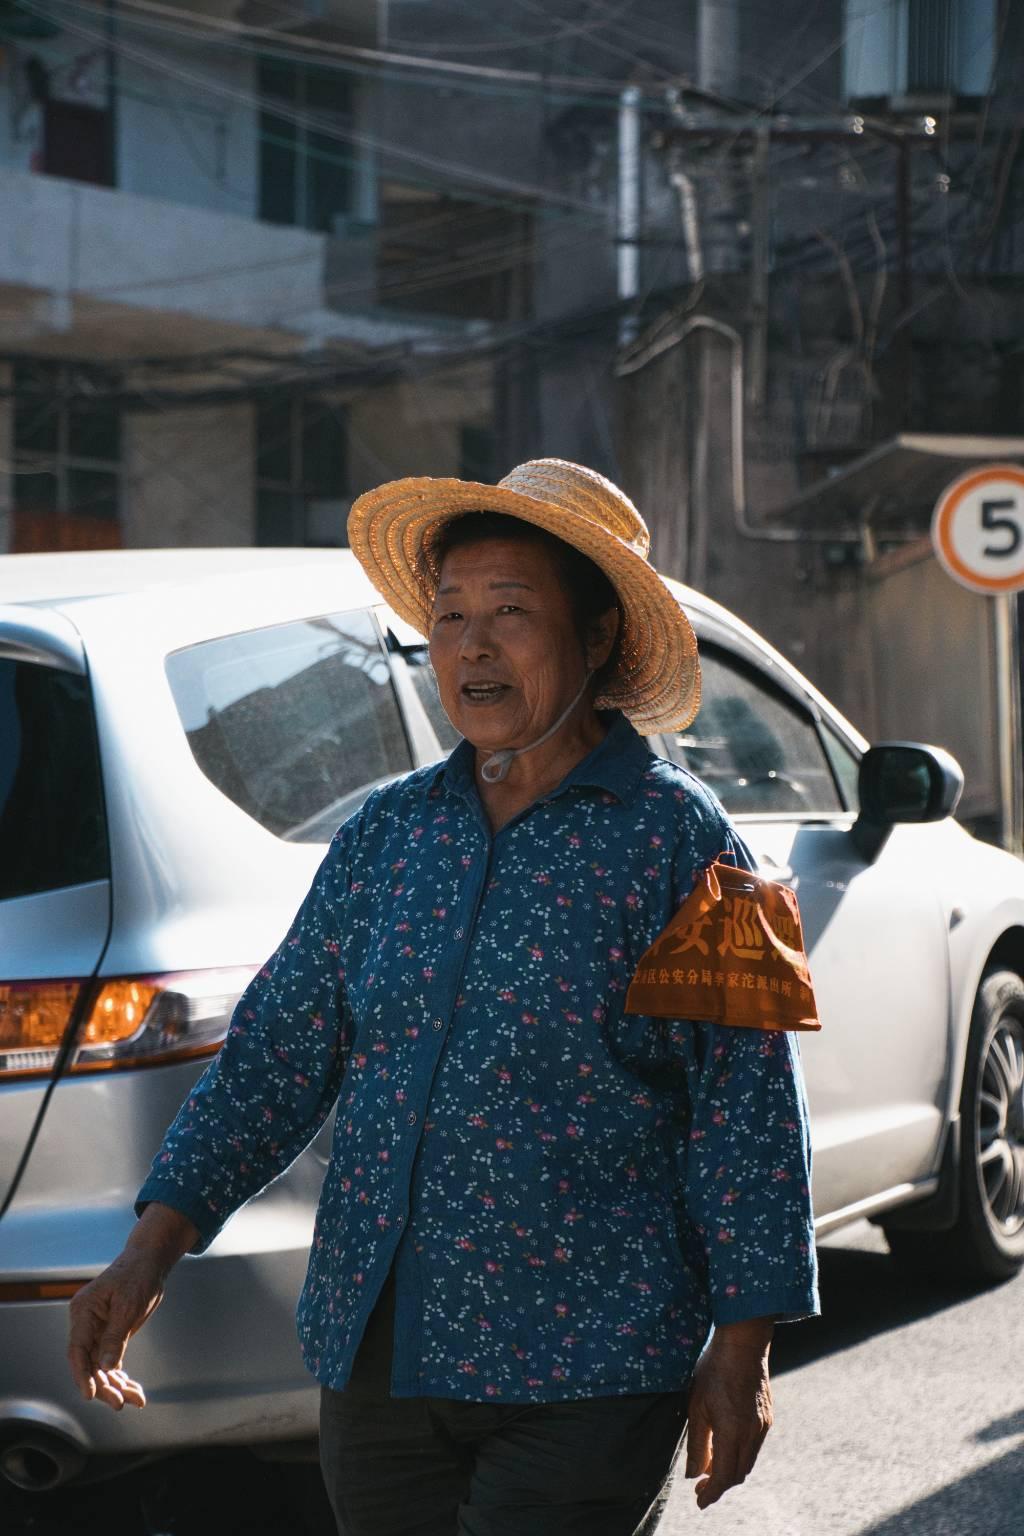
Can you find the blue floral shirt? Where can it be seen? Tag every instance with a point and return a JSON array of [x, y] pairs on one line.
[[571, 1195]]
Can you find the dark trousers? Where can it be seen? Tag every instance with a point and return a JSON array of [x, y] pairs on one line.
[[428, 1466]]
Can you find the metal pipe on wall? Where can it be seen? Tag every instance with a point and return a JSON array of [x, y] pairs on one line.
[[672, 338], [689, 216], [628, 211]]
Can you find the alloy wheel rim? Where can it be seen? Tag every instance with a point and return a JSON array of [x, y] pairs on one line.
[[1000, 1127]]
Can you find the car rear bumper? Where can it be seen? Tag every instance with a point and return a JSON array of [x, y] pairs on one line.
[[219, 1360]]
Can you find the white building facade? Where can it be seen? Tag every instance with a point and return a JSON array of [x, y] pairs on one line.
[[192, 345]]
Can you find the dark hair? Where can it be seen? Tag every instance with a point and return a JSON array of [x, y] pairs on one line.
[[589, 591]]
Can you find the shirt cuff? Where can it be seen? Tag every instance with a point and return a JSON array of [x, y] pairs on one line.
[[785, 1306], [198, 1213]]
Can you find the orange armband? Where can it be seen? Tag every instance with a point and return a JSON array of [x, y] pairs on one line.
[[733, 954]]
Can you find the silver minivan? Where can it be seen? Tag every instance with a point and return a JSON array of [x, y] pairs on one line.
[[181, 732]]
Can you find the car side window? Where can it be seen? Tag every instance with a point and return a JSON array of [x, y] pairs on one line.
[[295, 723], [846, 763], [753, 745], [53, 831]]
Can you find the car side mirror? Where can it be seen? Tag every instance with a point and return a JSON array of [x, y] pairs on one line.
[[903, 782]]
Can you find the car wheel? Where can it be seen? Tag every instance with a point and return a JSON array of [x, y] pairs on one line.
[[987, 1242]]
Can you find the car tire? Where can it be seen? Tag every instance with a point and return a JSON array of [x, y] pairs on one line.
[[987, 1241]]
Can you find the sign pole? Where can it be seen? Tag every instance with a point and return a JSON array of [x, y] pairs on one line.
[[1009, 717], [978, 536]]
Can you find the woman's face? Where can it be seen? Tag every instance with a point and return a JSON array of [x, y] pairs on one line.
[[504, 644]]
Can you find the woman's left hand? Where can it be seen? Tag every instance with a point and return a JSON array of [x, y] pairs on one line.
[[730, 1411]]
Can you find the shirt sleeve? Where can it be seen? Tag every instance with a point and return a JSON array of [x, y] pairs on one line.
[[748, 1158], [275, 1078]]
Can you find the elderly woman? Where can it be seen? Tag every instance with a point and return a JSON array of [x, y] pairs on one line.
[[538, 1203]]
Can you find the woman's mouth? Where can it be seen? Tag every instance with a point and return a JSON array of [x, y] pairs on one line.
[[483, 693]]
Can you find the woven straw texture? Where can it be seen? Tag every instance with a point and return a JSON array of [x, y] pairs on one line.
[[391, 530]]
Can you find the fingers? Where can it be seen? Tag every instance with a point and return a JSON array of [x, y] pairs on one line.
[[118, 1390], [112, 1345], [726, 1470], [100, 1327], [80, 1361], [720, 1458], [698, 1443]]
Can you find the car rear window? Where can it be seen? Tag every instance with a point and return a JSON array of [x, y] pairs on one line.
[[53, 829], [295, 723]]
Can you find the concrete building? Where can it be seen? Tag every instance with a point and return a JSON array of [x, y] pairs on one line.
[[760, 264], [193, 349]]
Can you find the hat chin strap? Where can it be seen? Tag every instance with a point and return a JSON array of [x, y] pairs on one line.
[[498, 764]]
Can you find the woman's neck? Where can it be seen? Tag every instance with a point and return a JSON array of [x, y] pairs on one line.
[[537, 772]]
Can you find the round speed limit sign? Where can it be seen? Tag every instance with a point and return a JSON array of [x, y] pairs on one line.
[[978, 528]]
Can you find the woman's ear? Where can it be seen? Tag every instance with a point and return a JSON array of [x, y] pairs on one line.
[[601, 639]]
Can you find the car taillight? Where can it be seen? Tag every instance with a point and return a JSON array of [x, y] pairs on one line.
[[133, 1021]]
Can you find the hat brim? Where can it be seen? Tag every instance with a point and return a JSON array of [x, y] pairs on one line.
[[656, 682]]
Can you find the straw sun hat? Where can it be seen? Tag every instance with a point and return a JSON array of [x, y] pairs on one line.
[[656, 681]]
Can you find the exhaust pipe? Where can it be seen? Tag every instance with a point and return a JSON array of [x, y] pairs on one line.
[[39, 1460]]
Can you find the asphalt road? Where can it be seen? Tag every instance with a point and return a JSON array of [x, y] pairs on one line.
[[900, 1412]]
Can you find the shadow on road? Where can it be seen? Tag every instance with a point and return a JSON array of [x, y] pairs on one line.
[[975, 1505], [862, 1295], [1002, 1429]]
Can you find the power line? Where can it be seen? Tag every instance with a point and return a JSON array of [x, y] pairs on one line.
[[497, 189], [268, 38]]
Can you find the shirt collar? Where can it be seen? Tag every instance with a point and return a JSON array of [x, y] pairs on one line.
[[616, 764]]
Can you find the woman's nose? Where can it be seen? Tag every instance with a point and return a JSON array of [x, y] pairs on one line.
[[476, 642]]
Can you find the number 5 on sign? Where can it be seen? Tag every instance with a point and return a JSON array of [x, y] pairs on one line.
[[978, 529]]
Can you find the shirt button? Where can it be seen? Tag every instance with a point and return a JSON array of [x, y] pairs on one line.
[[459, 933], [399, 1219], [439, 1023], [411, 1117]]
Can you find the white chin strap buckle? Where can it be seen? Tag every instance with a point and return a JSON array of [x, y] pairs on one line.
[[498, 764]]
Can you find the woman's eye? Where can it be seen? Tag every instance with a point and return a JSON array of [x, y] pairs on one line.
[[443, 618], [510, 608]]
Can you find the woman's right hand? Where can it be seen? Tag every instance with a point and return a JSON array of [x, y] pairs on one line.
[[104, 1315], [110, 1309]]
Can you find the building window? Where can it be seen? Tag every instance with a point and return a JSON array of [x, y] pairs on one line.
[[72, 124], [67, 459], [305, 157], [76, 143], [301, 481], [451, 255]]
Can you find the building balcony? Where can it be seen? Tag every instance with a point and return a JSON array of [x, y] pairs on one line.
[[95, 272]]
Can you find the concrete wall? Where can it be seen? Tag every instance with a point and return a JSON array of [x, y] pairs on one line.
[[412, 428], [453, 134], [186, 129], [63, 236], [188, 477], [934, 667]]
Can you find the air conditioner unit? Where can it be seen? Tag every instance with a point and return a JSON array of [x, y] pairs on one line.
[[917, 51]]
